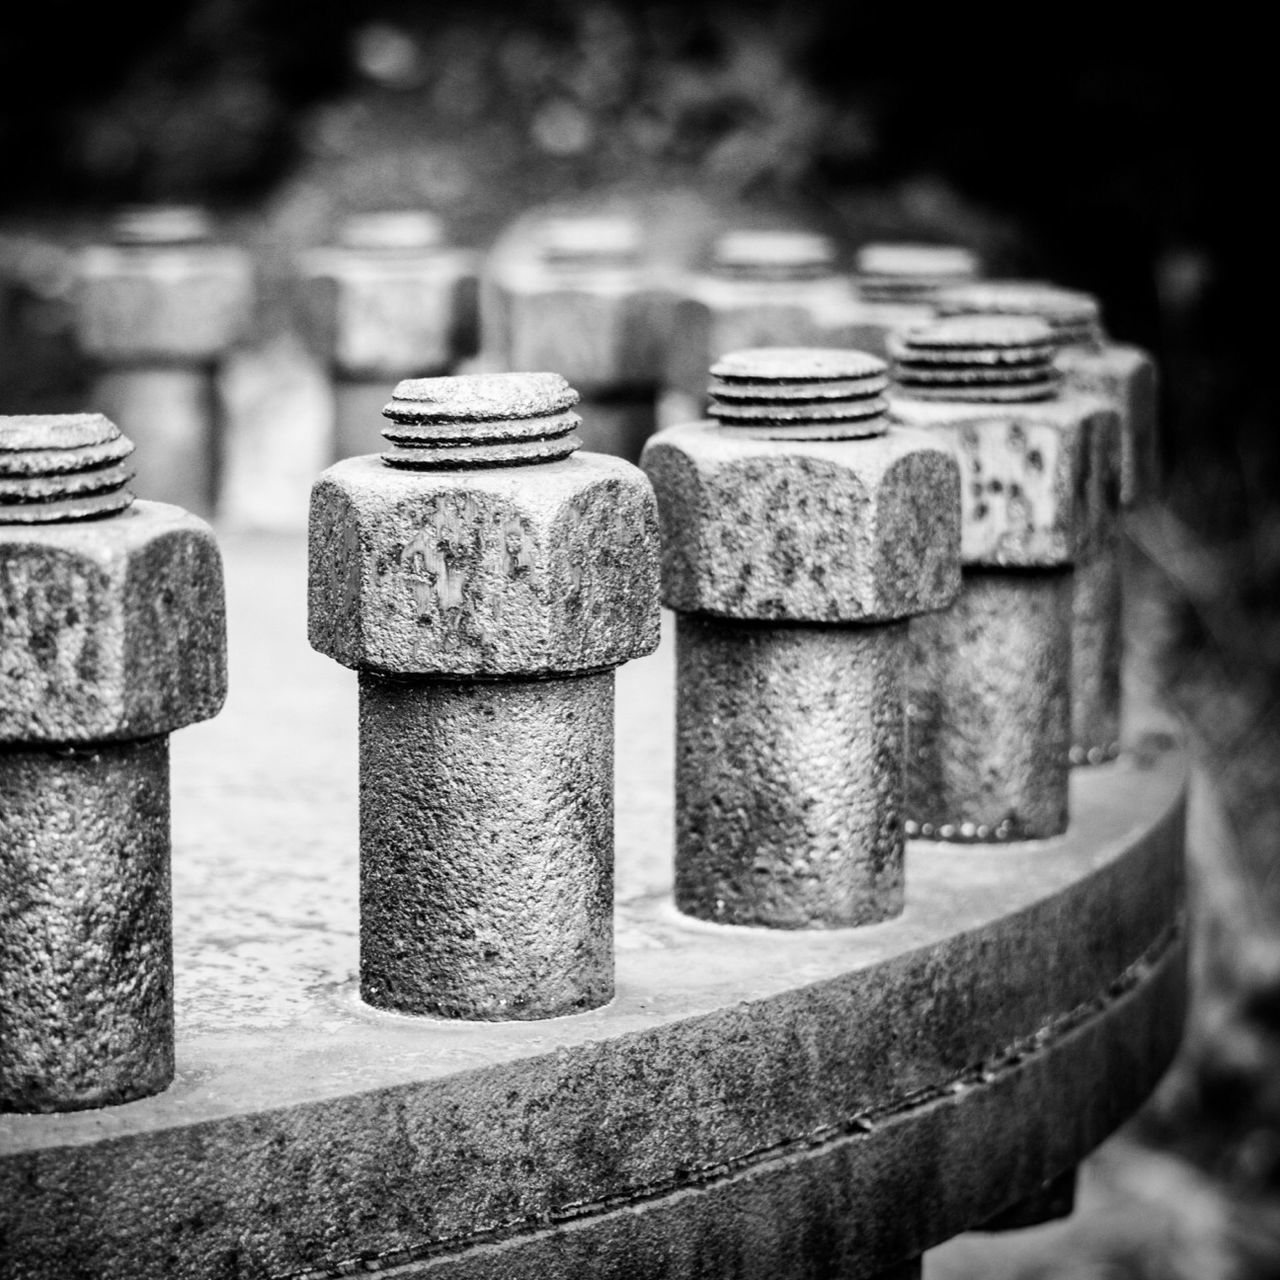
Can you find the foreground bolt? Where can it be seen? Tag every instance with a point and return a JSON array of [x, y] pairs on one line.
[[895, 287], [111, 636], [485, 583], [799, 535], [156, 310], [391, 300], [1125, 378], [574, 297], [990, 714], [765, 288]]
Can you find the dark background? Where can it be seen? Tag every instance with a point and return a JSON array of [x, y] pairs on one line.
[[1136, 164]]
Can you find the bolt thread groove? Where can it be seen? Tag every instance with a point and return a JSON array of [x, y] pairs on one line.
[[978, 358], [800, 393], [1074, 317], [912, 273], [481, 420], [773, 255], [61, 467]]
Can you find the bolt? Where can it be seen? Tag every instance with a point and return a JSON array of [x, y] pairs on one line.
[[112, 635], [157, 308], [990, 679], [895, 285], [391, 300], [1097, 642], [572, 293], [800, 533], [775, 287], [485, 580]]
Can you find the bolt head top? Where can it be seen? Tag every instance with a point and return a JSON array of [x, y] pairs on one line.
[[934, 261], [161, 224], [1074, 317], [778, 253], [392, 229]]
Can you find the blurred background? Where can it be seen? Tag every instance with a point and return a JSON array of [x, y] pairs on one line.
[[1129, 165]]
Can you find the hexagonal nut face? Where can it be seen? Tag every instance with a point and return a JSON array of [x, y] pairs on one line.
[[511, 571], [814, 531], [183, 302], [716, 316], [112, 628], [595, 325], [391, 314], [1040, 480]]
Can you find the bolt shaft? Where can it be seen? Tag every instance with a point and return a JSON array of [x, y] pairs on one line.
[[790, 747], [486, 846], [86, 963]]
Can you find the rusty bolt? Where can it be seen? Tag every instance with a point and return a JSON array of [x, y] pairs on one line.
[[485, 582], [390, 300], [775, 287], [1125, 378], [1089, 361], [989, 701], [112, 635], [800, 533], [156, 309], [572, 293], [895, 285]]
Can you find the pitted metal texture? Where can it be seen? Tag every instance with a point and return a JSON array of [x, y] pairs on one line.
[[989, 710], [790, 749], [62, 467], [86, 953], [486, 838]]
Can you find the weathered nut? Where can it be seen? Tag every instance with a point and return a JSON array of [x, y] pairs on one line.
[[766, 288], [807, 530], [483, 572], [110, 629], [161, 295], [391, 300], [574, 296], [1040, 469]]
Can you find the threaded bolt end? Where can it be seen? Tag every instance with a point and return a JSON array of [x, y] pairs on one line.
[[801, 393], [481, 420], [778, 254], [587, 240], [62, 467], [912, 273], [978, 358], [161, 225], [1075, 317]]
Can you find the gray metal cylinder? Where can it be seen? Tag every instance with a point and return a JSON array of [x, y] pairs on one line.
[[1097, 649], [486, 845], [989, 709], [790, 742], [86, 953]]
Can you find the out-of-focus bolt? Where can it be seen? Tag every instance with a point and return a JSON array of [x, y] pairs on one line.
[[485, 580], [776, 287], [1125, 378], [156, 310], [111, 635], [573, 294], [895, 285], [1090, 362], [391, 300], [989, 704], [800, 533]]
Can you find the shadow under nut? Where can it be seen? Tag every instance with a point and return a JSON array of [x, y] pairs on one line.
[[486, 835], [86, 947], [989, 709], [789, 748]]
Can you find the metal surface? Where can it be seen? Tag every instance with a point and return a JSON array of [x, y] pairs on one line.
[[486, 836], [479, 548]]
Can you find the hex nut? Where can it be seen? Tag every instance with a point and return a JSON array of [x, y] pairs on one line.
[[818, 531], [388, 313], [483, 572], [112, 628], [1041, 480], [182, 303]]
